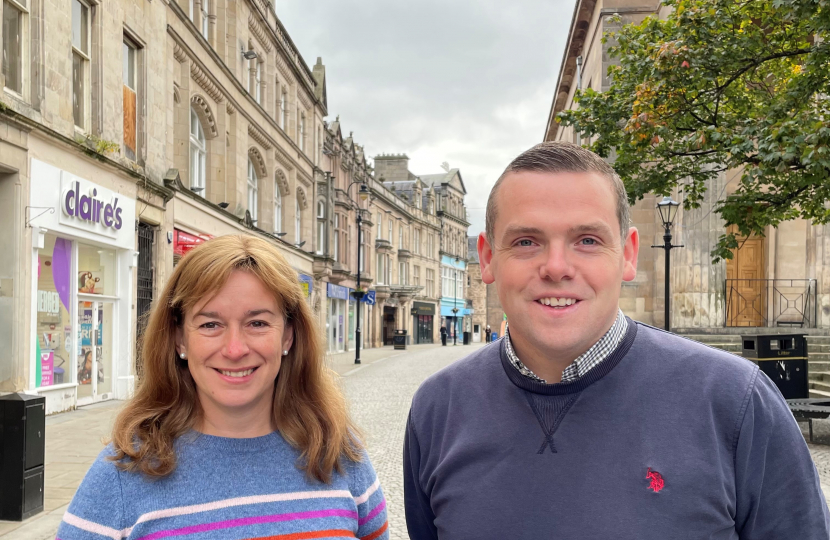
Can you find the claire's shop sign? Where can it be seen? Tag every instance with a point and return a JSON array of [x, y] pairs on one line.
[[86, 205]]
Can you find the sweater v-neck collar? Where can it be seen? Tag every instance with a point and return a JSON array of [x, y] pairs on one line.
[[556, 389]]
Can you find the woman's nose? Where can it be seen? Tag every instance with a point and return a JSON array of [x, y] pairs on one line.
[[235, 346]]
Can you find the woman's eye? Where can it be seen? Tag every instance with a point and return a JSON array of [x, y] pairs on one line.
[[209, 326], [259, 324]]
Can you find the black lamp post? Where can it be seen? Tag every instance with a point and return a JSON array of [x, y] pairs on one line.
[[455, 304], [668, 210], [363, 193]]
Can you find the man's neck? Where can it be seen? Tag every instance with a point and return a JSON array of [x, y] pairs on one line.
[[546, 364]]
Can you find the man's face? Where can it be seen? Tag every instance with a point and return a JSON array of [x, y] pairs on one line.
[[557, 260]]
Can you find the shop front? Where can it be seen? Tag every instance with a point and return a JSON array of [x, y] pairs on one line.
[[82, 285], [338, 313], [422, 317]]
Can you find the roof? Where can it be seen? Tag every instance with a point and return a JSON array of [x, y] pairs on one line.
[[437, 180]]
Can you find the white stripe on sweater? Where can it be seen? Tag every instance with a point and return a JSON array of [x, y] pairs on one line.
[[91, 526], [368, 493]]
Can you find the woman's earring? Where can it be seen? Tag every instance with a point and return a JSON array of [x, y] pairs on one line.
[[285, 353], [182, 356]]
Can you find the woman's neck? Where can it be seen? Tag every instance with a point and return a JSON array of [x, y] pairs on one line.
[[250, 422]]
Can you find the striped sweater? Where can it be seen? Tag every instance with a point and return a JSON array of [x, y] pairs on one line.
[[226, 489]]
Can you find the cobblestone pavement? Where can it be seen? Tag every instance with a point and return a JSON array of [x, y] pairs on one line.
[[379, 391]]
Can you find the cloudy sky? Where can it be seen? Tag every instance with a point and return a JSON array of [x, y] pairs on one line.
[[469, 82]]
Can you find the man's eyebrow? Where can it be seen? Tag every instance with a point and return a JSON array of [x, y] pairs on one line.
[[518, 230], [595, 228]]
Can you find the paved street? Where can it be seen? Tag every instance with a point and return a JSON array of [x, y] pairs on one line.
[[379, 390]]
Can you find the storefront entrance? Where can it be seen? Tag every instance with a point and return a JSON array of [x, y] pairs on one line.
[[422, 316], [389, 313]]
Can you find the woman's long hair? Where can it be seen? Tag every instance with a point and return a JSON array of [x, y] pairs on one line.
[[309, 409]]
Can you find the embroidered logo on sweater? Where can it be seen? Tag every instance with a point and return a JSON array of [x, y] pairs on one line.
[[656, 478]]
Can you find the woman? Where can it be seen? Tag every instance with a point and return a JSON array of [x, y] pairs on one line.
[[237, 430]]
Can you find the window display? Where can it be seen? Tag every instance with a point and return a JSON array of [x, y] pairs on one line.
[[54, 319]]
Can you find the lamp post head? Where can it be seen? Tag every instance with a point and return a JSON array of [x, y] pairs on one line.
[[363, 191], [668, 210]]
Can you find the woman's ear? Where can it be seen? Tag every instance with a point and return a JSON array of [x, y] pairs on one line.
[[287, 336]]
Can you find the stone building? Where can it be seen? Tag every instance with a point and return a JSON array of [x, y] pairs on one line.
[[486, 306], [779, 280], [129, 133], [407, 239]]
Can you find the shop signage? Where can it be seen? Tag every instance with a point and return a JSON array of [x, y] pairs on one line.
[[184, 242], [306, 284], [369, 298], [423, 308], [85, 204], [48, 302], [337, 291]]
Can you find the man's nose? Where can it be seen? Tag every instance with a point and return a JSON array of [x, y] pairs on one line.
[[557, 265], [235, 346]]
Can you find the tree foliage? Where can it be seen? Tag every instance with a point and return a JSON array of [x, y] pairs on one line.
[[720, 85]]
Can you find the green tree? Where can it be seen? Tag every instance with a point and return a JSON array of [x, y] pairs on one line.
[[720, 85]]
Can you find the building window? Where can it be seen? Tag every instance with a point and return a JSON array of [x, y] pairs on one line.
[[284, 109], [380, 225], [400, 235], [205, 11], [321, 227], [387, 268], [416, 241], [258, 82], [391, 229], [319, 144], [298, 220], [197, 153], [459, 281], [130, 98], [301, 135], [379, 276], [14, 16], [361, 262], [277, 208], [431, 206], [402, 267], [416, 275], [430, 245], [337, 237], [80, 62], [252, 190], [430, 282]]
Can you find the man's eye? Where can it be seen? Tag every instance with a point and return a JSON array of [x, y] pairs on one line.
[[589, 241], [525, 243]]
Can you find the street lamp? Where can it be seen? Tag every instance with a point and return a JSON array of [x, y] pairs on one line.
[[363, 193], [455, 304], [668, 210]]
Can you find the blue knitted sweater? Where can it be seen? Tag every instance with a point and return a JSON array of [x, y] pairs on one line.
[[226, 489], [666, 439]]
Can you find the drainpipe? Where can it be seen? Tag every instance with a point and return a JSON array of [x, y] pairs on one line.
[[579, 87]]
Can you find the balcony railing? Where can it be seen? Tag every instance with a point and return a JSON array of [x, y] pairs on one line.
[[771, 302]]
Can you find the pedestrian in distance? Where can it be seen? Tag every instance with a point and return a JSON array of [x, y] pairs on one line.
[[443, 332], [487, 333], [237, 429], [582, 423]]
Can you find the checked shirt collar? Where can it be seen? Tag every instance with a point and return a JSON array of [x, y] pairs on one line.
[[586, 361]]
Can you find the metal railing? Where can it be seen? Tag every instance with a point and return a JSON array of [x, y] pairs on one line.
[[771, 302]]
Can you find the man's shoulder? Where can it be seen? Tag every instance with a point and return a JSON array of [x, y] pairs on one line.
[[474, 370], [676, 354]]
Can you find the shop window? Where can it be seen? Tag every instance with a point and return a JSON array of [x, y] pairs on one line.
[[14, 29], [198, 153], [96, 270], [80, 62], [54, 316]]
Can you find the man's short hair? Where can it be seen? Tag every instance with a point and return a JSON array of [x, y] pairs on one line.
[[556, 157]]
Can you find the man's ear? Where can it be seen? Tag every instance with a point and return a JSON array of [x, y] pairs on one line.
[[630, 251], [485, 258]]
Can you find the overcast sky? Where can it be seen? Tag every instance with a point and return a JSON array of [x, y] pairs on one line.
[[469, 82]]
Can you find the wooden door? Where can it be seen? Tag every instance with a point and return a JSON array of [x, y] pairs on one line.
[[747, 293]]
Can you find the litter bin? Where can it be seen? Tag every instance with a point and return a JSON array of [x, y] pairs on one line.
[[22, 449], [399, 339], [494, 336], [783, 358], [467, 336]]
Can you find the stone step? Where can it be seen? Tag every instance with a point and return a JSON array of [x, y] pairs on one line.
[[819, 376], [819, 385], [819, 394], [818, 367]]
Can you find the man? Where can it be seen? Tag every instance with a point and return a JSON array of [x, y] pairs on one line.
[[443, 331], [581, 423], [487, 334]]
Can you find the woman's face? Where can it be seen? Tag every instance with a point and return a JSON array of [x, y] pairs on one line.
[[234, 343]]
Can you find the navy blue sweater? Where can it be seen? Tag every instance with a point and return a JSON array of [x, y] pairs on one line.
[[665, 439]]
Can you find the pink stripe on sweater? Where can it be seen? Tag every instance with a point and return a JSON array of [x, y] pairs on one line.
[[375, 511], [256, 520]]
